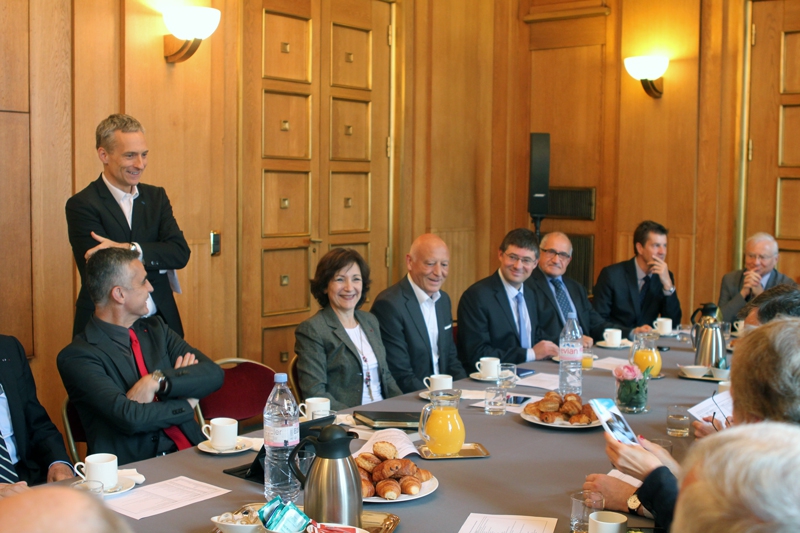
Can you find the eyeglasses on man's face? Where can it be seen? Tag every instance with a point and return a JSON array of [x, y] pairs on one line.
[[527, 261], [549, 251], [760, 257]]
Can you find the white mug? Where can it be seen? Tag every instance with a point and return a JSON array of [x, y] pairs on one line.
[[663, 326], [314, 404], [739, 326], [100, 467], [439, 382], [607, 522], [489, 367], [221, 432], [613, 337]]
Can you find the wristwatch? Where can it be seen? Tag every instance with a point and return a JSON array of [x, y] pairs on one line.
[[670, 291], [633, 503], [159, 376]]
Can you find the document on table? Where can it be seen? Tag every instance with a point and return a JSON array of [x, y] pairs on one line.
[[722, 408], [540, 380], [161, 497], [610, 363], [507, 523]]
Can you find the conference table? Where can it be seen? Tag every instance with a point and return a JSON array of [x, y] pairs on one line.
[[531, 469]]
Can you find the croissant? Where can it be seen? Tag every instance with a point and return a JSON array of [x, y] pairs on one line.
[[386, 470], [367, 461], [388, 489], [579, 419], [572, 396], [549, 405], [367, 488], [533, 409], [551, 418], [551, 394], [384, 450], [410, 485], [423, 475], [588, 411], [571, 407], [364, 474]]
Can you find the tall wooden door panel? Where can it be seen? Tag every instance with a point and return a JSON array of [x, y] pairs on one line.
[[773, 186], [315, 168]]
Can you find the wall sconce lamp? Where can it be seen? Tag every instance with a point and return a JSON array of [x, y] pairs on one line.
[[187, 26], [648, 69]]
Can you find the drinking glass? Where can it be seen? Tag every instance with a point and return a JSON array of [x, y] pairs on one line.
[[89, 486], [664, 443], [587, 363], [678, 421], [584, 503], [508, 376], [725, 328], [495, 401]]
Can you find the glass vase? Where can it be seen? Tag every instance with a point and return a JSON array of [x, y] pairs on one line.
[[631, 396]]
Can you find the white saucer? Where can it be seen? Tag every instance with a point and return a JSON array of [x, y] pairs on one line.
[[477, 376], [242, 445], [624, 345], [124, 484]]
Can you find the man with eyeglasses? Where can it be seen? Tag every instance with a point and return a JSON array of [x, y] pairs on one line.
[[759, 273], [497, 317], [633, 293], [558, 295]]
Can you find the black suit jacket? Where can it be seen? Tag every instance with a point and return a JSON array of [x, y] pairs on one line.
[[486, 325], [154, 228], [97, 375], [405, 336], [39, 444], [616, 298], [550, 322]]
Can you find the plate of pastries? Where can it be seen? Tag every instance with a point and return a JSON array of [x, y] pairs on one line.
[[386, 478], [568, 412]]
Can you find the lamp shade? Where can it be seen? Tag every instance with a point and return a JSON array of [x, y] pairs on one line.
[[646, 67], [191, 22]]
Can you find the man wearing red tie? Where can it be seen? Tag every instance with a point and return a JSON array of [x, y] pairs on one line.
[[133, 381]]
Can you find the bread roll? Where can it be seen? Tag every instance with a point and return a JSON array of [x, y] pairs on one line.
[[388, 489], [571, 407], [384, 450], [549, 405], [367, 488], [579, 420], [573, 396], [367, 461], [552, 418], [588, 411]]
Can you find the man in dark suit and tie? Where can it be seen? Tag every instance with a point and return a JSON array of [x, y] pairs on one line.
[[31, 448], [119, 211], [133, 381], [416, 318], [633, 293], [558, 295], [497, 317]]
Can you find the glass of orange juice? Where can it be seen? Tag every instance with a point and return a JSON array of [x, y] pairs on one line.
[[440, 425], [587, 363]]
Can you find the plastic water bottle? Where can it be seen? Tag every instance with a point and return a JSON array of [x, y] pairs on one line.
[[281, 434], [570, 354]]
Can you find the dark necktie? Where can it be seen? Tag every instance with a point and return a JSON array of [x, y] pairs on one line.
[[173, 432], [7, 472], [525, 340], [643, 291], [561, 298]]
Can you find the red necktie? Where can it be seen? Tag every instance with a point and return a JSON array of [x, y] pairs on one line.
[[173, 432]]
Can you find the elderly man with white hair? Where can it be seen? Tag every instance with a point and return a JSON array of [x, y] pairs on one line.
[[743, 480], [759, 273]]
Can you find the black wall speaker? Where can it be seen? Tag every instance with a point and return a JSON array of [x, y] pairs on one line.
[[539, 183]]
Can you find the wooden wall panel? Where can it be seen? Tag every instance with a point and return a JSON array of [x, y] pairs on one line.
[[16, 313], [14, 58]]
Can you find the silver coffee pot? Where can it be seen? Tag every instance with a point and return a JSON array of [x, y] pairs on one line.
[[709, 344], [332, 489]]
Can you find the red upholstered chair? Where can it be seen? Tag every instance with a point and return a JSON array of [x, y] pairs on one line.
[[294, 380], [243, 393], [73, 427]]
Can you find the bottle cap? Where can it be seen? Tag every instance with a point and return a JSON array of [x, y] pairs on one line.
[[280, 378]]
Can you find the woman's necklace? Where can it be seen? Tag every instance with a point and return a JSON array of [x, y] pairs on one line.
[[367, 376]]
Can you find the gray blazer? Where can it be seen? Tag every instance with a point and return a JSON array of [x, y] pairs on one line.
[[328, 362], [730, 299]]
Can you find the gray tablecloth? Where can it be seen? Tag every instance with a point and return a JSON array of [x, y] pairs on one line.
[[531, 471]]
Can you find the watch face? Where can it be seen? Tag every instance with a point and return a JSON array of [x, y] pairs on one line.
[[633, 503]]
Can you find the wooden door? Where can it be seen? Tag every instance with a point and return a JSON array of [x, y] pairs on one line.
[[773, 182], [315, 172]]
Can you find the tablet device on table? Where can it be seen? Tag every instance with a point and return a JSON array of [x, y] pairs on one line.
[[613, 421], [388, 419]]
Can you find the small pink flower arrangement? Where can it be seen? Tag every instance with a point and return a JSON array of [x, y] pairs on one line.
[[628, 373]]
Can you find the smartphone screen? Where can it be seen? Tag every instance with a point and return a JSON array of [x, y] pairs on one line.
[[514, 399], [613, 421]]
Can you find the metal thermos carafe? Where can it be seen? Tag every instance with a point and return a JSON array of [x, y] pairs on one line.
[[332, 489], [709, 344]]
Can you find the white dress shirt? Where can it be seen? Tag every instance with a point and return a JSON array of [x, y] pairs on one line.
[[427, 304]]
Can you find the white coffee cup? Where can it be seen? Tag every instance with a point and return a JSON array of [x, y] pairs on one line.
[[613, 337], [739, 326], [100, 467], [663, 326], [438, 382], [607, 522], [222, 433], [314, 404], [489, 367]]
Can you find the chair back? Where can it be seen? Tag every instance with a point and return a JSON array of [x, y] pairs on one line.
[[243, 394], [73, 427], [294, 379]]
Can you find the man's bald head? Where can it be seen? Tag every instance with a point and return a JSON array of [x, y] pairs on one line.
[[428, 262], [49, 508]]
